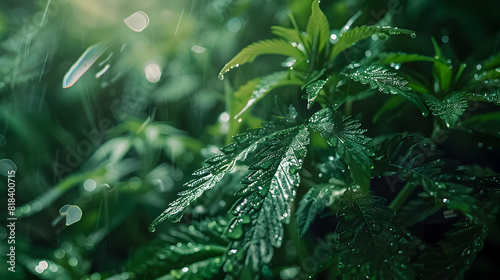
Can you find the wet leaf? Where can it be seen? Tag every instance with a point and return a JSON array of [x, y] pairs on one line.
[[314, 202], [254, 90], [378, 77], [488, 123], [417, 210], [317, 27], [401, 57], [313, 90], [184, 251], [270, 46], [352, 36], [266, 196], [442, 69], [455, 253], [210, 175], [414, 159], [344, 134], [369, 242], [449, 109], [288, 34]]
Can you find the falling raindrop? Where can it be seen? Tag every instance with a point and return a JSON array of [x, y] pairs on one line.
[[334, 38], [89, 185], [100, 73], [224, 117], [138, 21], [73, 213], [152, 71], [83, 63], [198, 49]]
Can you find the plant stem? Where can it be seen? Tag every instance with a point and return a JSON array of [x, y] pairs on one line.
[[402, 196]]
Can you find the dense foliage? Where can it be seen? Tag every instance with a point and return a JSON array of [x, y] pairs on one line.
[[361, 150]]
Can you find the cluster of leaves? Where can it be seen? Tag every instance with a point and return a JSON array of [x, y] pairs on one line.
[[302, 197], [373, 239]]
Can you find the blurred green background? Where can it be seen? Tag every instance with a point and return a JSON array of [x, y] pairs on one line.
[[120, 142]]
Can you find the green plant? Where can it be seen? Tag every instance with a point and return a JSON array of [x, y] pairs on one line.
[[300, 165], [350, 149]]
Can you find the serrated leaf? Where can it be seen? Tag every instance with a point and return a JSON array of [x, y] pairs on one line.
[[491, 63], [415, 160], [289, 34], [370, 244], [352, 36], [449, 109], [456, 253], [269, 46], [488, 123], [400, 57], [192, 251], [219, 165], [378, 77], [417, 210], [313, 90], [344, 134], [490, 96], [266, 198], [317, 28], [203, 269], [256, 89], [314, 202]]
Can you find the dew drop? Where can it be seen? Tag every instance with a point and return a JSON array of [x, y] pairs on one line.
[[138, 21], [413, 35]]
